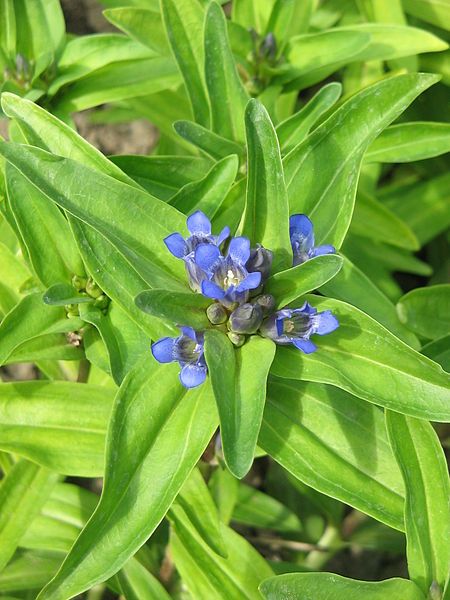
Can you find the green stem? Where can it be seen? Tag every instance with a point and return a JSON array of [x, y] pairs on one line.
[[330, 539]]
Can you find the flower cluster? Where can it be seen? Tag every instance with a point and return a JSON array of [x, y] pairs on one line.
[[234, 281]]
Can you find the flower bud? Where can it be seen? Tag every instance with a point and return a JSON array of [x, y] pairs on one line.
[[101, 301], [246, 318], [92, 288], [236, 338], [435, 592], [216, 313], [260, 260], [268, 47], [267, 303], [79, 283]]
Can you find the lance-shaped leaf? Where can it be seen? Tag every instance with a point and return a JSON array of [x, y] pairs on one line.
[[124, 340], [226, 93], [61, 294], [294, 129], [22, 493], [198, 506], [143, 24], [179, 308], [140, 221], [28, 571], [184, 24], [322, 172], [208, 575], [426, 311], [208, 194], [322, 586], [46, 233], [427, 514], [157, 434], [59, 425], [353, 286], [239, 382], [333, 442], [365, 359], [408, 142], [29, 320], [266, 217], [430, 11], [289, 285], [439, 351], [137, 583], [215, 145]]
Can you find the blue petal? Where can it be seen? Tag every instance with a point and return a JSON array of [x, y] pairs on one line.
[[279, 324], [301, 230], [239, 250], [192, 375], [325, 249], [176, 244], [199, 223], [162, 350], [305, 346], [212, 290], [189, 332], [250, 282], [223, 235], [306, 308], [206, 255], [325, 322]]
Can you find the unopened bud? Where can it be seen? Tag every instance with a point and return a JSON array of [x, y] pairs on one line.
[[435, 592], [267, 303], [236, 338], [79, 283], [92, 288], [246, 318], [101, 301], [216, 313], [260, 260], [268, 47]]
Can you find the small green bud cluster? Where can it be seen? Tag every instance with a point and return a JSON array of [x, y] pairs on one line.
[[87, 287]]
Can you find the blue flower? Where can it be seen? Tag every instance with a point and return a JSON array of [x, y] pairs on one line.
[[301, 232], [199, 227], [187, 350], [228, 280], [295, 326]]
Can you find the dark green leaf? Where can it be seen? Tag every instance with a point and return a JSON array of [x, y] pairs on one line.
[[426, 311], [239, 382], [62, 294], [266, 218], [184, 309], [212, 144]]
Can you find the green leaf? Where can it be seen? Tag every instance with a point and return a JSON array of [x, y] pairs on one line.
[[427, 514], [59, 425], [8, 29], [327, 196], [294, 129], [436, 12], [162, 449], [186, 309], [93, 197], [198, 506], [422, 206], [252, 13], [29, 571], [184, 25], [137, 583], [212, 144], [408, 142], [266, 217], [30, 320], [365, 359], [46, 233], [208, 194], [385, 226], [227, 95], [293, 283], [426, 311], [257, 509], [336, 444], [322, 586], [22, 493], [163, 176], [224, 489], [119, 81], [142, 24], [239, 382], [439, 351], [61, 294], [85, 54], [208, 575], [353, 286], [124, 340]]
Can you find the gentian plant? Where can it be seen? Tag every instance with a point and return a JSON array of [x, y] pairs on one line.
[[235, 348]]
